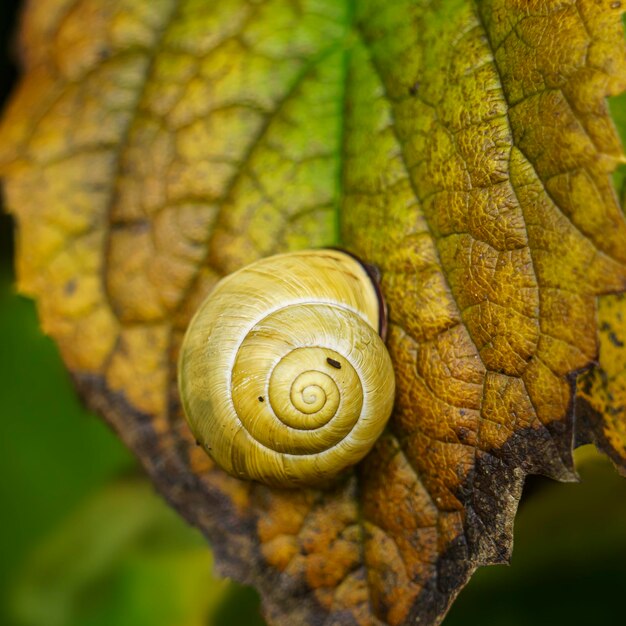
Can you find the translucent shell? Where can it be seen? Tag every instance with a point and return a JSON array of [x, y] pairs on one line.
[[283, 376]]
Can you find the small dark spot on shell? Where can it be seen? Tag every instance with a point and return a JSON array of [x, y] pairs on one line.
[[333, 363], [615, 340], [198, 443], [261, 398], [70, 287], [414, 88]]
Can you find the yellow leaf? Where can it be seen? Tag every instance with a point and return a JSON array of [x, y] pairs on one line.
[[463, 146], [601, 397]]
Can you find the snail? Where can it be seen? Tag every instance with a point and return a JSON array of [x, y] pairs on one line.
[[283, 375]]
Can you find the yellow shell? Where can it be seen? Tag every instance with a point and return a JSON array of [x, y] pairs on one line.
[[283, 376]]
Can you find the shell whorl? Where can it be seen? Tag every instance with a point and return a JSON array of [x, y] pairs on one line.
[[283, 376]]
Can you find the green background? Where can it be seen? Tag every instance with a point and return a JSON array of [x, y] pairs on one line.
[[84, 540]]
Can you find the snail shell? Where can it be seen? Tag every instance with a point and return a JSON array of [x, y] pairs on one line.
[[283, 376]]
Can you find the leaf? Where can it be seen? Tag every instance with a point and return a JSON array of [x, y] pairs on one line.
[[569, 543], [601, 397], [601, 390], [463, 146]]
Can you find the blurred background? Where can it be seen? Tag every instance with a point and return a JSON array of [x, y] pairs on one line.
[[84, 540]]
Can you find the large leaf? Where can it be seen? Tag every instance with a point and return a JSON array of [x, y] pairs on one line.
[[462, 146]]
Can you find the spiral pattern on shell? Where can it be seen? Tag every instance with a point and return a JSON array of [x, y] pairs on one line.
[[283, 376]]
